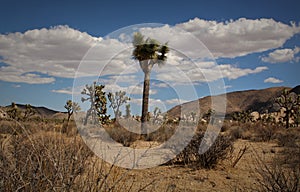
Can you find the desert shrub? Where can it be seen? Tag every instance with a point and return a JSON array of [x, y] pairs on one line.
[[236, 132], [11, 126], [42, 162], [219, 149], [257, 132], [287, 139], [38, 156], [275, 177], [225, 127], [282, 173], [7, 127], [264, 133], [290, 156], [51, 161], [118, 133], [162, 134]]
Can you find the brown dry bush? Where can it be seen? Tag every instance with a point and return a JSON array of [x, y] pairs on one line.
[[42, 162], [118, 133], [282, 173], [264, 133], [226, 126], [237, 132], [287, 139], [52, 161], [255, 131], [163, 133], [290, 155], [275, 176], [218, 151], [9, 127]]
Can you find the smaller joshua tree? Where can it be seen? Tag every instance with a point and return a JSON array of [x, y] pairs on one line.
[[96, 97], [29, 111], [156, 114], [296, 115], [289, 101], [14, 112], [193, 115], [128, 111], [71, 108], [116, 101]]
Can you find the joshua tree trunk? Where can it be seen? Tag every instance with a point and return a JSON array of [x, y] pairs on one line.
[[287, 119], [69, 116], [145, 102]]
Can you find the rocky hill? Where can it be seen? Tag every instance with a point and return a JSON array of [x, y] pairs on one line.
[[254, 100]]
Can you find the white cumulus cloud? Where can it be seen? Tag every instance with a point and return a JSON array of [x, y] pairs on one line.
[[204, 72], [67, 91], [54, 52], [240, 37], [272, 80], [282, 55], [40, 55]]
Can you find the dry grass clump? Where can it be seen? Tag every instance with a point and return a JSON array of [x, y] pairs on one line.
[[42, 161], [55, 161]]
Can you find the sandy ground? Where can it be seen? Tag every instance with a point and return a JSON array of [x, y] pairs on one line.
[[223, 178]]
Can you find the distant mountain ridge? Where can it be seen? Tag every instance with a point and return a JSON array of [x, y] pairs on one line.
[[253, 100], [40, 111]]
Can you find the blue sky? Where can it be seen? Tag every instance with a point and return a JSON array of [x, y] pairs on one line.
[[255, 45]]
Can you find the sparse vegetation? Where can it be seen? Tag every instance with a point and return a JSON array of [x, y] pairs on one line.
[[38, 154]]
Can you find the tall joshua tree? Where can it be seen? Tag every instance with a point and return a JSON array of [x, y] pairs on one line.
[[148, 52]]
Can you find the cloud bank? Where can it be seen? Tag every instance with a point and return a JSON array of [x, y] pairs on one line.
[[39, 56]]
